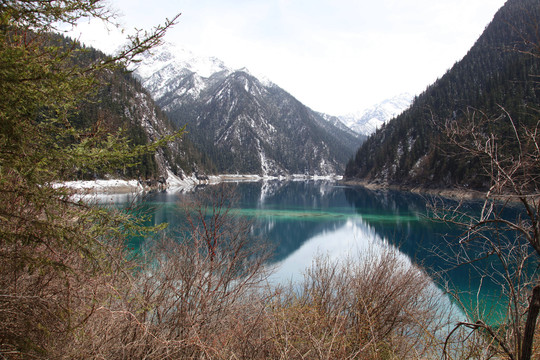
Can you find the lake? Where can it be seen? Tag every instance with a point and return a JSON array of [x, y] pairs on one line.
[[304, 219]]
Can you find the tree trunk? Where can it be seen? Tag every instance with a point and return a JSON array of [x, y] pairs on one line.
[[530, 325]]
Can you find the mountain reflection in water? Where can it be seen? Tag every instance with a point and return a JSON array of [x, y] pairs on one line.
[[304, 219]]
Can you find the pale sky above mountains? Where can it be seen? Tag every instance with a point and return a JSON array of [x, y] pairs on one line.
[[335, 56]]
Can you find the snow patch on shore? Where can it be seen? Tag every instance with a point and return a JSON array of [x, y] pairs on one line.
[[102, 186], [87, 188]]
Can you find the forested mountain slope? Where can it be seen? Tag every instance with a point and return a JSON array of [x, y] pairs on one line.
[[122, 106], [496, 79]]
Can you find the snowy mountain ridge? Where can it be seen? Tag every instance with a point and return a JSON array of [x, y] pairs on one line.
[[245, 125], [177, 58], [369, 120]]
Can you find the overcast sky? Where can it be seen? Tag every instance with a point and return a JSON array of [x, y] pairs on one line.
[[335, 56]]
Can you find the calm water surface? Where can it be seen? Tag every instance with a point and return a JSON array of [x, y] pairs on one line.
[[304, 219]]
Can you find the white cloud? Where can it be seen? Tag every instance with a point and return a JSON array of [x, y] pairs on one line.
[[335, 56]]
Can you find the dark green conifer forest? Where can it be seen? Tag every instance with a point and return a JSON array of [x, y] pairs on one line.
[[497, 79]]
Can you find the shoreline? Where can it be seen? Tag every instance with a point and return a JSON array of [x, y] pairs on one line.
[[174, 183], [102, 186], [450, 193]]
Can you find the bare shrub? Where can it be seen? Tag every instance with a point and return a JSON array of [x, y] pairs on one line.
[[57, 266], [510, 240], [198, 296], [203, 295], [375, 306]]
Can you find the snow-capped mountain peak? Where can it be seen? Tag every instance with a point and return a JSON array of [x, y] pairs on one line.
[[178, 59], [246, 125], [159, 71], [369, 120]]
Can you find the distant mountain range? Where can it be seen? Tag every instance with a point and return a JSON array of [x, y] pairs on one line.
[[497, 73], [245, 125], [367, 121]]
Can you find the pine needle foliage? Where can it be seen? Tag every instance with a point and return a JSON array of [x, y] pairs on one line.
[[57, 257]]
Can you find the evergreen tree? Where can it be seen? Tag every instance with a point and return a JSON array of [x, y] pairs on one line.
[[55, 255]]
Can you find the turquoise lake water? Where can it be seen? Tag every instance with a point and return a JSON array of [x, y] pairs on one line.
[[304, 219]]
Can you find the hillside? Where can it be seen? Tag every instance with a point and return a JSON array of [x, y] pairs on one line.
[[243, 124], [121, 104], [497, 73]]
